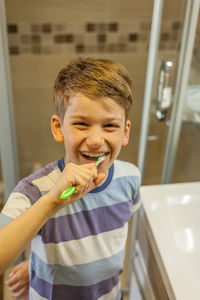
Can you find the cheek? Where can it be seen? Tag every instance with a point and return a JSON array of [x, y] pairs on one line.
[[74, 138], [115, 141]]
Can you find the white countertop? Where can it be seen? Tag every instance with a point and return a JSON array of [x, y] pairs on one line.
[[173, 212]]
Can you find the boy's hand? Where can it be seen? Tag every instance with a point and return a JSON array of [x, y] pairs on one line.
[[84, 177], [18, 282]]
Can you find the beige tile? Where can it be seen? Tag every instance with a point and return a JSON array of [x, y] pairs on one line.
[[22, 11]]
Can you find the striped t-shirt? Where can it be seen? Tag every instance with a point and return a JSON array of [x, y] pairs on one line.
[[79, 252]]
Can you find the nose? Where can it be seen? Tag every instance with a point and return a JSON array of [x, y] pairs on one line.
[[95, 139]]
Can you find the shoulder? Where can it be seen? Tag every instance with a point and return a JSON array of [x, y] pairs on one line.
[[125, 169], [43, 172], [128, 175], [36, 183], [126, 183], [28, 191]]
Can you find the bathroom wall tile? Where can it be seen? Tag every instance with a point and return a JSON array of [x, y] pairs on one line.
[[24, 28], [143, 37], [164, 36], [12, 28], [24, 50], [174, 36], [122, 47], [123, 38], [90, 38], [92, 48], [176, 25], [36, 50], [69, 38], [80, 38], [47, 28], [133, 37], [58, 39], [113, 26], [113, 34], [47, 39], [100, 48], [36, 28], [101, 27], [90, 27], [145, 26], [101, 38], [25, 39], [57, 49], [132, 48], [14, 50], [58, 27], [114, 38], [129, 26], [80, 48], [35, 39], [46, 50], [13, 39]]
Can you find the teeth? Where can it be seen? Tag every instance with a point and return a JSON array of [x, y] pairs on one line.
[[93, 154]]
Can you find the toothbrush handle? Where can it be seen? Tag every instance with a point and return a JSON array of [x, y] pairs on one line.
[[68, 192]]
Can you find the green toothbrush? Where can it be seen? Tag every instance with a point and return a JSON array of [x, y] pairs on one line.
[[68, 192]]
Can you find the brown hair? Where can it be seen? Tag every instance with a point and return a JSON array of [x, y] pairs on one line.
[[95, 78]]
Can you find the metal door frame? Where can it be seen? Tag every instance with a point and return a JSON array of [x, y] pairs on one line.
[[8, 149]]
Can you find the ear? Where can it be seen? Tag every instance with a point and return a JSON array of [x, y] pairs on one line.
[[126, 133], [56, 128]]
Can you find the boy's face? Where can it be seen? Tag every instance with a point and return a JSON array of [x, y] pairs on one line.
[[90, 129]]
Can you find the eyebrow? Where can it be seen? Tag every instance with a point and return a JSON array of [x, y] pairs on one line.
[[81, 116]]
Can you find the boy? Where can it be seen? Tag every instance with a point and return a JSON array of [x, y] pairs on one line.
[[78, 244]]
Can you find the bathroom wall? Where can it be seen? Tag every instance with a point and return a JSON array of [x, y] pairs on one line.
[[45, 35]]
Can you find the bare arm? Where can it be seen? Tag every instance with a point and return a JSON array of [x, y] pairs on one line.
[[16, 235]]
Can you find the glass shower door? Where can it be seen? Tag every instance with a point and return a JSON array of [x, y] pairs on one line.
[[184, 96], [159, 141], [187, 162]]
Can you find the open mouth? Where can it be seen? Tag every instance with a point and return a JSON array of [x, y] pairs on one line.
[[93, 156]]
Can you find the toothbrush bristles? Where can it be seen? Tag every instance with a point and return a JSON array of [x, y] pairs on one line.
[[100, 159]]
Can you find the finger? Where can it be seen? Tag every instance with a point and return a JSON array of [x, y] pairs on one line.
[[100, 178], [20, 292], [14, 288], [24, 297], [14, 270], [12, 280], [93, 168], [88, 187], [88, 170], [85, 180], [13, 276]]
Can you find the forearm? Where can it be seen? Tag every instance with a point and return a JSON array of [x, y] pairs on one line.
[[15, 236]]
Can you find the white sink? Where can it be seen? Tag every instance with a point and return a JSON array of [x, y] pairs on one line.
[[173, 211]]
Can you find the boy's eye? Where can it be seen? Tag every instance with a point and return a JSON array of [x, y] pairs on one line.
[[111, 126], [81, 124]]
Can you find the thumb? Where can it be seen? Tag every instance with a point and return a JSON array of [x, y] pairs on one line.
[[100, 178]]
